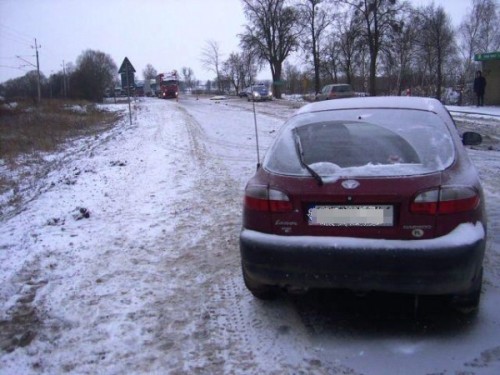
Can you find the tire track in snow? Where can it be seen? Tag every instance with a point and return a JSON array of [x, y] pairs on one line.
[[219, 147], [235, 332], [195, 132], [199, 241]]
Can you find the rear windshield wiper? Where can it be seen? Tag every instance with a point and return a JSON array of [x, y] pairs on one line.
[[300, 152]]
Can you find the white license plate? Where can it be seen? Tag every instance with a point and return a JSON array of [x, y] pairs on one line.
[[355, 215]]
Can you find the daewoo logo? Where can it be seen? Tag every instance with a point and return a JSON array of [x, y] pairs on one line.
[[350, 184]]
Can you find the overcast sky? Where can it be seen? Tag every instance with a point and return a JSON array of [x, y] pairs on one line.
[[169, 34]]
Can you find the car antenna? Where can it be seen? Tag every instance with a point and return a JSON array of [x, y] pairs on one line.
[[256, 134]]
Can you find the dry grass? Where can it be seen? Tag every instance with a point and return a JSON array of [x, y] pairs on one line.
[[27, 132]]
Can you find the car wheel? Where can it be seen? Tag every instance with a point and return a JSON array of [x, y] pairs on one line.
[[260, 291], [469, 303]]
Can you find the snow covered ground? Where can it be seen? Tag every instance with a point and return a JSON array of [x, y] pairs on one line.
[[128, 262]]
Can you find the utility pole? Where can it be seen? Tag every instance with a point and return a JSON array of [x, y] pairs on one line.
[[127, 72], [38, 71], [64, 80], [37, 66]]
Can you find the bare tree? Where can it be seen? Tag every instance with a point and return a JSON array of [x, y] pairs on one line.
[[331, 63], [212, 60], [479, 32], [24, 87], [376, 19], [292, 75], [436, 44], [188, 76], [315, 20], [398, 53], [250, 67], [488, 13], [272, 34], [95, 72], [149, 72], [232, 69], [346, 46]]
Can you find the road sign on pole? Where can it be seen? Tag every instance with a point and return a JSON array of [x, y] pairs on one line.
[[127, 72], [126, 64]]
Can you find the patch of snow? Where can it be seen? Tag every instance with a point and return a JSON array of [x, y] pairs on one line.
[[218, 97]]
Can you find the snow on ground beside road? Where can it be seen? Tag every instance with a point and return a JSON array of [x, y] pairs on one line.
[[138, 285], [93, 277], [473, 111], [150, 282]]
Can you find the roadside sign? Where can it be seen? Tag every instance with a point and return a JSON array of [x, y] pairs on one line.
[[127, 74], [487, 56], [126, 66]]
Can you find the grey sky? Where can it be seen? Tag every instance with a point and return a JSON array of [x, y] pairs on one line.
[[168, 34]]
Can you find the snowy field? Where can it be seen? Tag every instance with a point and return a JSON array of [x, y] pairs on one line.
[[128, 263]]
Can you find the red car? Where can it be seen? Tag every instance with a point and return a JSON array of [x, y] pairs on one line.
[[367, 194]]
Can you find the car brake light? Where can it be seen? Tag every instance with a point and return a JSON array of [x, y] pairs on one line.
[[262, 198], [447, 200]]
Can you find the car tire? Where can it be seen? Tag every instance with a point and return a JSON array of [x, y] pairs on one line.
[[260, 291], [469, 303]]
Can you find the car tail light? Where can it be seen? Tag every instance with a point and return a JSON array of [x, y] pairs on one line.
[[446, 200], [263, 198]]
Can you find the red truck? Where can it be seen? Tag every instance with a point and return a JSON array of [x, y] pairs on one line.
[[167, 85]]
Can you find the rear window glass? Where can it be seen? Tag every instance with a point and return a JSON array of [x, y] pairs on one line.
[[260, 88], [368, 142], [341, 88]]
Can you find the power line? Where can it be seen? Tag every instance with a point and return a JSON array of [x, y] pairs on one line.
[[12, 67], [15, 34], [15, 57]]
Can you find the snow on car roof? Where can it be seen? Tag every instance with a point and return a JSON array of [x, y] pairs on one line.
[[400, 102]]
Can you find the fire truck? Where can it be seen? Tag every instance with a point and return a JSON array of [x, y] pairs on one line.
[[167, 85]]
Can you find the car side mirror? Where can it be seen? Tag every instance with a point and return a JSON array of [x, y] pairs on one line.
[[471, 139]]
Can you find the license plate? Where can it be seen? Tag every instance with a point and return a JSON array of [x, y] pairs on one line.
[[351, 215]]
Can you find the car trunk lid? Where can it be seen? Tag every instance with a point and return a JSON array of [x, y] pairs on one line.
[[357, 207]]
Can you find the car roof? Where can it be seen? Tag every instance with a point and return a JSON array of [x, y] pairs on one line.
[[388, 102]]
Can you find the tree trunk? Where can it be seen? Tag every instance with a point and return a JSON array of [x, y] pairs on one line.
[[317, 83], [276, 74], [373, 76], [439, 83]]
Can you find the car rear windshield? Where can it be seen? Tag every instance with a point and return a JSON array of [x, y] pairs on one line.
[[261, 88], [368, 142], [341, 88]]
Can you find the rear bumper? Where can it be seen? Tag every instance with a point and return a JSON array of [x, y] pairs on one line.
[[260, 98], [444, 265]]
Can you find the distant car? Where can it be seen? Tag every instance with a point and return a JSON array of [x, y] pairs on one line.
[[244, 93], [367, 194], [336, 91], [259, 93]]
